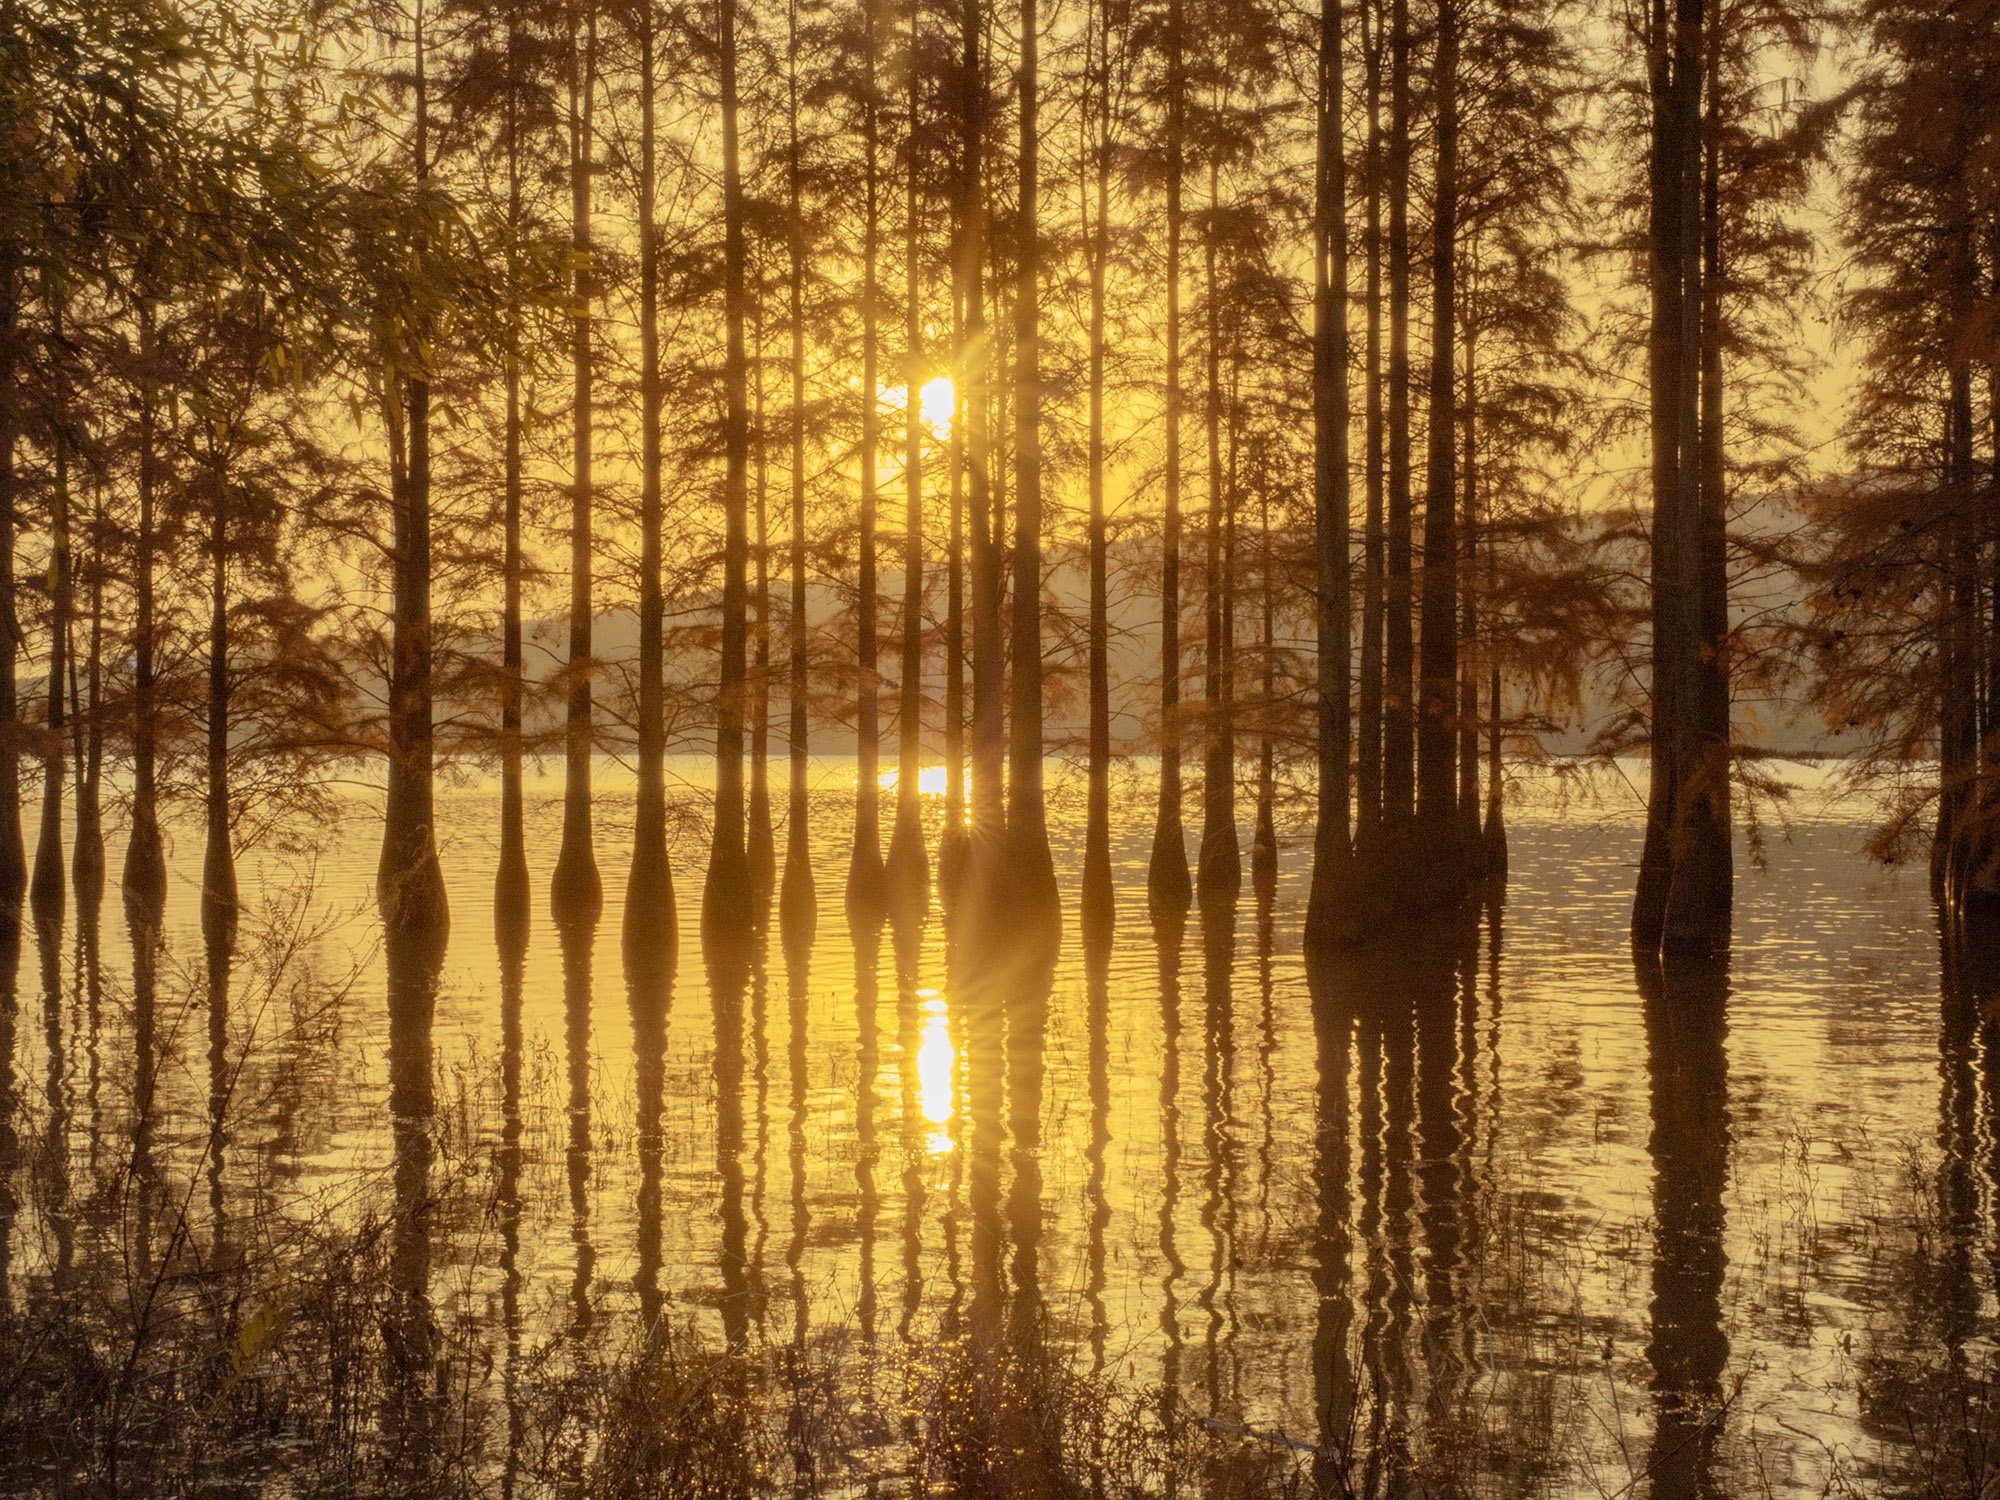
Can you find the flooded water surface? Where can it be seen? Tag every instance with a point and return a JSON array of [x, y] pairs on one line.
[[1483, 1210]]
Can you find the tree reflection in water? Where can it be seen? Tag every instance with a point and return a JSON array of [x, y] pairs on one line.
[[1443, 1216]]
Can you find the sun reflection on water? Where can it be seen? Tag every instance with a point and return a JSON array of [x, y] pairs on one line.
[[937, 1067], [930, 781]]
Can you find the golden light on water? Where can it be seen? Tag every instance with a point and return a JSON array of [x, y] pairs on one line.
[[937, 1069], [930, 781]]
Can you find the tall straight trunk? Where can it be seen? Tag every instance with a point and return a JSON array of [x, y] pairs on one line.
[[1468, 622], [1368, 759], [1219, 874], [726, 894], [866, 888], [760, 848], [1098, 907], [576, 892], [976, 364], [219, 903], [1699, 898], [1663, 364], [409, 882], [510, 882], [87, 858], [1689, 922], [1000, 454], [798, 902], [951, 845], [1398, 727], [1232, 531], [46, 892], [909, 865], [13, 857], [1494, 834], [1168, 889], [145, 875], [1957, 732], [651, 926], [1264, 841], [1032, 868], [1331, 501], [1437, 708]]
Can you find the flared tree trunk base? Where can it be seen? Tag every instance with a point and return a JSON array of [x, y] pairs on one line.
[[1169, 891], [144, 879], [651, 934], [1393, 880]]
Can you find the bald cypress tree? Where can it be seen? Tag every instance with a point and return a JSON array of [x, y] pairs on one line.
[[1098, 905], [725, 913], [798, 901], [145, 875], [650, 917], [13, 856], [985, 841], [1219, 861], [908, 866], [1032, 874], [1440, 847], [1398, 723], [576, 891], [727, 891], [1329, 910], [1168, 889], [409, 882], [1368, 755], [866, 888]]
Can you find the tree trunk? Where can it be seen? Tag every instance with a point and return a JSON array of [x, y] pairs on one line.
[[1264, 841], [866, 880], [1683, 926], [908, 865], [1696, 920], [951, 845], [87, 858], [576, 892], [13, 856], [1666, 284], [219, 903], [1398, 771], [409, 883], [1493, 837], [651, 932], [1957, 747], [1368, 760], [45, 892], [1099, 902], [145, 876], [1468, 626], [726, 894], [1442, 863], [1168, 890], [988, 803], [760, 849], [1329, 903], [798, 901], [1219, 875], [1032, 888], [510, 881]]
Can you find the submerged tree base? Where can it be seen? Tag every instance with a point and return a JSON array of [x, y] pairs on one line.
[[1393, 882]]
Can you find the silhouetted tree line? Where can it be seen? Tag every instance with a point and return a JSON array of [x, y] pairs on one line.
[[908, 356]]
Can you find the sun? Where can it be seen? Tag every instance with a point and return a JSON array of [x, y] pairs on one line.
[[934, 402]]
